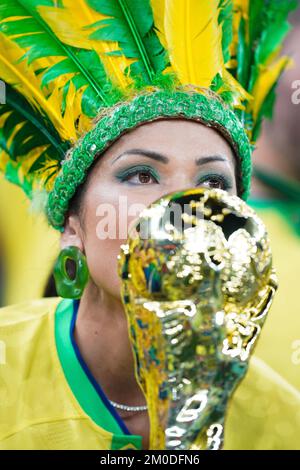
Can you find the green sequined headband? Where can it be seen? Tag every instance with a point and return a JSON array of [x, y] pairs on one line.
[[145, 107]]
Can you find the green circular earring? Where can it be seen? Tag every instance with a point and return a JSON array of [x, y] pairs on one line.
[[66, 286]]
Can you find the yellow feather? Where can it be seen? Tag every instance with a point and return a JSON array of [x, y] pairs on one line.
[[240, 10], [19, 74], [73, 110], [73, 113], [230, 84], [268, 76], [71, 25], [242, 5], [4, 157], [194, 40], [3, 118], [29, 159], [158, 9], [238, 92]]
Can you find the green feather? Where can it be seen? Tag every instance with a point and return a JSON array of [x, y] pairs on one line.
[[40, 41], [266, 111], [35, 131], [41, 128], [268, 29], [12, 174], [225, 19], [259, 38], [131, 24]]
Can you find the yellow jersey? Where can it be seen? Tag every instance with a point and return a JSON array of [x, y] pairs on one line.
[[279, 343], [50, 400]]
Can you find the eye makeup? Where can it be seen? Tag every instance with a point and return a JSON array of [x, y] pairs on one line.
[[209, 179], [124, 175], [225, 182]]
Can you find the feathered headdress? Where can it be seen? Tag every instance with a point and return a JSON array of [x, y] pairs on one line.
[[66, 62]]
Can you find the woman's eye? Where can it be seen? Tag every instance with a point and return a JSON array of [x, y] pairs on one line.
[[215, 182], [141, 177]]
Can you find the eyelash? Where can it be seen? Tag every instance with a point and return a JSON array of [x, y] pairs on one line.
[[226, 185], [130, 172], [125, 176]]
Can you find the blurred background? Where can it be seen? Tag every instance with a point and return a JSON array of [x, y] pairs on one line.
[[28, 247], [276, 198]]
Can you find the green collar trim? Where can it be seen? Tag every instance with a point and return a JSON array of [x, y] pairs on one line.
[[145, 107], [88, 393]]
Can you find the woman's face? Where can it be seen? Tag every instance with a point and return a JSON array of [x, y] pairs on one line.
[[153, 160]]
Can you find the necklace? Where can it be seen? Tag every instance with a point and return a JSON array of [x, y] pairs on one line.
[[127, 407]]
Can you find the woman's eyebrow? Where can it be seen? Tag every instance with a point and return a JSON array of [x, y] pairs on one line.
[[163, 159], [209, 159], [146, 153]]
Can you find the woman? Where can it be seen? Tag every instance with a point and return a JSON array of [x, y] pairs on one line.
[[68, 376], [150, 161]]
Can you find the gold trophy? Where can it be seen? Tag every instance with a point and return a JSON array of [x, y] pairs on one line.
[[197, 284]]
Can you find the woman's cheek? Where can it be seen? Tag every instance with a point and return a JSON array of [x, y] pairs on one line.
[[102, 259], [110, 212], [103, 243]]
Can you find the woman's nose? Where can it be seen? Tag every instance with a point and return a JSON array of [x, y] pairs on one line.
[[181, 182]]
